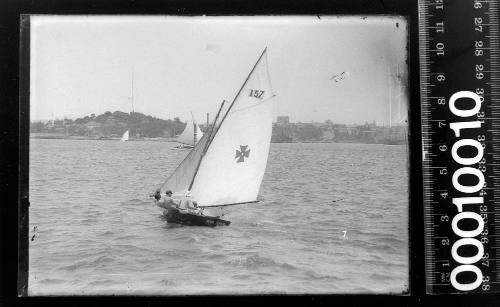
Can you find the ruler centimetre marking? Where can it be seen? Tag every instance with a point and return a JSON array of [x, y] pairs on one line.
[[460, 104]]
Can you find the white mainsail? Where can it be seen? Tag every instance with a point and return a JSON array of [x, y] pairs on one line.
[[191, 134], [124, 136], [233, 166], [227, 165]]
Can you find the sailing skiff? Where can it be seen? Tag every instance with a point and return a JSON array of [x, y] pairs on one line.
[[227, 164]]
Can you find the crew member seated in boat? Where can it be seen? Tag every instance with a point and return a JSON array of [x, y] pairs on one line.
[[188, 206], [167, 202], [156, 195]]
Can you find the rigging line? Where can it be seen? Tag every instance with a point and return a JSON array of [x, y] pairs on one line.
[[205, 148], [232, 204], [257, 104], [238, 95]]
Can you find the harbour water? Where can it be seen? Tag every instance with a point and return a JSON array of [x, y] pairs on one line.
[[333, 218]]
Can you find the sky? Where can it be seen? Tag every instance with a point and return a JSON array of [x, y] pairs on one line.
[[348, 69]]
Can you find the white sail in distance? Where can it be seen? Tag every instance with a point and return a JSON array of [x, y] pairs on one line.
[[125, 136], [199, 133], [233, 166], [188, 136]]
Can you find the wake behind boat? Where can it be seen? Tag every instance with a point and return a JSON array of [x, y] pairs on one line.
[[227, 165]]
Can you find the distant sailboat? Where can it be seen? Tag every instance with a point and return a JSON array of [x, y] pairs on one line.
[[124, 136], [227, 165], [191, 134]]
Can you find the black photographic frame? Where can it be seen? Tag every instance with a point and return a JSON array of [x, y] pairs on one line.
[[15, 140]]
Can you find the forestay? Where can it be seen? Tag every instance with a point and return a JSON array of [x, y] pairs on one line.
[[232, 169]]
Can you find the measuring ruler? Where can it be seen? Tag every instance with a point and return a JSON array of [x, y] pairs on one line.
[[460, 107]]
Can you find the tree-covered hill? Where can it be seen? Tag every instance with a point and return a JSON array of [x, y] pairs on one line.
[[114, 124]]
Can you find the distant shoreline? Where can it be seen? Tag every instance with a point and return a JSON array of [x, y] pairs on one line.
[[93, 138], [163, 139]]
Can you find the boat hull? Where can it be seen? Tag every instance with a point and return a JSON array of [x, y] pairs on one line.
[[190, 219]]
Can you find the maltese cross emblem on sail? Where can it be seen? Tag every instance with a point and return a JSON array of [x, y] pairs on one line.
[[242, 153]]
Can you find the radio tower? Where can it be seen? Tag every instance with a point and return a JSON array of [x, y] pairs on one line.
[[132, 90]]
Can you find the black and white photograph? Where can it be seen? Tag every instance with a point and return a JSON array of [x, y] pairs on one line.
[[218, 155]]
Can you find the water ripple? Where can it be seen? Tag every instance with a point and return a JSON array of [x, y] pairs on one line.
[[332, 218]]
